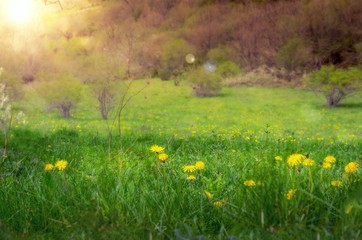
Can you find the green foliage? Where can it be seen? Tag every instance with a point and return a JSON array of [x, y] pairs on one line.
[[293, 55], [336, 83], [223, 58], [227, 69], [222, 54], [205, 83], [69, 53], [173, 57], [61, 91], [12, 85], [358, 47], [207, 79]]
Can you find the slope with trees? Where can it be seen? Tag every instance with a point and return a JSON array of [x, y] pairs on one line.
[[146, 38]]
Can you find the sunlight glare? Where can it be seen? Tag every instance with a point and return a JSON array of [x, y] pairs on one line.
[[19, 11]]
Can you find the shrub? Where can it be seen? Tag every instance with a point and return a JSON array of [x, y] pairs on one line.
[[173, 58], [224, 57], [205, 83], [164, 74], [228, 69], [105, 91], [335, 83], [61, 91]]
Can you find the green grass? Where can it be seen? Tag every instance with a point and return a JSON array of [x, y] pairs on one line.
[[132, 195]]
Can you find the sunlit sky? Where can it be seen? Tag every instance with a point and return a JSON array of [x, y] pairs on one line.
[[18, 11], [24, 12]]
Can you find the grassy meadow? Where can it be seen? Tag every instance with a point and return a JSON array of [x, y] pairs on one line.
[[252, 163]]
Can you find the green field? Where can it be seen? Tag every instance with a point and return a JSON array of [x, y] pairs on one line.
[[112, 192]]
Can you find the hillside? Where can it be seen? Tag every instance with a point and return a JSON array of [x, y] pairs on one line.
[[139, 38]]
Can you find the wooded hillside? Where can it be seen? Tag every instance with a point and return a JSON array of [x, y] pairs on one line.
[[142, 38]]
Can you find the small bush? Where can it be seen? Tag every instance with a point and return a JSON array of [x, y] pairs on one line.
[[205, 83], [173, 57], [105, 91], [164, 74], [335, 83], [228, 69], [61, 91]]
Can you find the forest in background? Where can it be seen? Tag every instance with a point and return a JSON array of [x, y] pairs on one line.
[[121, 39]]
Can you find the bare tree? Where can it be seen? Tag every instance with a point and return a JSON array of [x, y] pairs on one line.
[[123, 45], [58, 2]]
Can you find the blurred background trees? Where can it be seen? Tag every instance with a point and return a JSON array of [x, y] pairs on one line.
[[146, 38], [291, 34]]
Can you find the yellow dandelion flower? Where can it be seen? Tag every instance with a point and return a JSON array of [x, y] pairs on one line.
[[191, 178], [208, 194], [295, 159], [189, 168], [217, 204], [61, 165], [308, 162], [249, 183], [278, 158], [291, 194], [330, 159], [351, 167], [163, 157], [157, 149], [200, 165], [48, 167], [336, 183], [327, 165]]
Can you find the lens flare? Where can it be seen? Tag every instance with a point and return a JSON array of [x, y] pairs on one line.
[[210, 67], [190, 58]]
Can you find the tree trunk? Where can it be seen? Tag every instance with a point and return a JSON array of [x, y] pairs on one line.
[[66, 112], [65, 109], [103, 110], [334, 97], [103, 105]]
